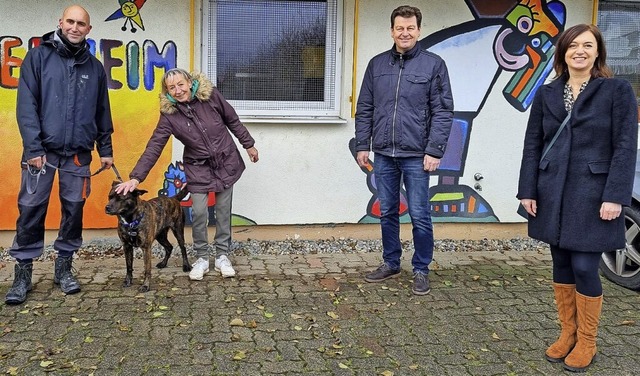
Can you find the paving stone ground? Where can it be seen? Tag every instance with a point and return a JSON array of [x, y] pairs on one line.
[[489, 313]]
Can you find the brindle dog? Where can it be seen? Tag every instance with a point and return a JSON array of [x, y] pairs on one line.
[[140, 222]]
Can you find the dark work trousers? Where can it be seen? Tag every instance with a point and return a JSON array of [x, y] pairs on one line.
[[33, 200]]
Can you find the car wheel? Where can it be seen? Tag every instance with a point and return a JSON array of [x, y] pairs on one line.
[[623, 265]]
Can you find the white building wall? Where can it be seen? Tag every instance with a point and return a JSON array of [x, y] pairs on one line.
[[306, 173]]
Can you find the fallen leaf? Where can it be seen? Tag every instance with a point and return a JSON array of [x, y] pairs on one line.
[[260, 307], [387, 373], [495, 336], [75, 319], [12, 371], [158, 314], [45, 363], [252, 324], [343, 366], [88, 339], [268, 315], [413, 367], [298, 328], [163, 308], [296, 317], [448, 283], [476, 277], [628, 322], [332, 314], [239, 355], [236, 322]]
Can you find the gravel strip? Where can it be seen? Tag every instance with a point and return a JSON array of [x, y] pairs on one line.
[[111, 247]]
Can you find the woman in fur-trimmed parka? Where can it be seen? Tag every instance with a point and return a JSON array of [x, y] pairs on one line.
[[196, 113], [575, 195]]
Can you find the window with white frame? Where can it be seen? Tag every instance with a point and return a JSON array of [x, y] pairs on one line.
[[619, 22], [274, 57]]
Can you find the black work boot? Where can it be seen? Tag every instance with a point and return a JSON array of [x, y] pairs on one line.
[[63, 276], [17, 294]]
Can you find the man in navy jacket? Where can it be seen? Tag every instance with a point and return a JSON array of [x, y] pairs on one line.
[[63, 112], [404, 115]]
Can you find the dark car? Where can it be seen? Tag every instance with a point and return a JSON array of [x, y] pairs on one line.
[[623, 265]]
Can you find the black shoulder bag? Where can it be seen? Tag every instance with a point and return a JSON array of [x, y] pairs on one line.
[[521, 211]]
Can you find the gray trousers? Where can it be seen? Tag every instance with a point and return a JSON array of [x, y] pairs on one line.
[[35, 190], [200, 220]]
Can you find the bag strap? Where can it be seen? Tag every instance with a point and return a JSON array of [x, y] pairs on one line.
[[555, 137]]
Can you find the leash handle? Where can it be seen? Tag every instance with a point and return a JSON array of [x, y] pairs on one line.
[[115, 171]]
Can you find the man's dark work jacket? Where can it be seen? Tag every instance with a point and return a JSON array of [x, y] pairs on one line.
[[63, 103]]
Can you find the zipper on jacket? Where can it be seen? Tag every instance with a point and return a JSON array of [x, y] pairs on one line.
[[395, 110]]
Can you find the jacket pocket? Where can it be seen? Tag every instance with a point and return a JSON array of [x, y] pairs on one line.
[[599, 167], [83, 158], [195, 162], [416, 79]]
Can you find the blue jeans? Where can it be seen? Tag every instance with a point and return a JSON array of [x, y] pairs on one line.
[[389, 174]]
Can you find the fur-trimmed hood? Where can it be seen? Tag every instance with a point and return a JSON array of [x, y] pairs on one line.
[[203, 86]]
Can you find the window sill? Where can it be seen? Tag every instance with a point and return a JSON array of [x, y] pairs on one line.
[[293, 120]]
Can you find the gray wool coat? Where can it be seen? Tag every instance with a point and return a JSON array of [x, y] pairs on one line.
[[592, 161]]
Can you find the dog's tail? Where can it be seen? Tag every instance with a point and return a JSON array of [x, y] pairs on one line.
[[181, 194]]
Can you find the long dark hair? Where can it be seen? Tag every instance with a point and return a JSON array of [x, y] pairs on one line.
[[600, 67]]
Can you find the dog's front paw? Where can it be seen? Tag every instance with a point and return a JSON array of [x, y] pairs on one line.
[[186, 268], [127, 282], [161, 265]]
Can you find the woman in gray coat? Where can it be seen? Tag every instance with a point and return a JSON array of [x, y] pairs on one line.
[[575, 195]]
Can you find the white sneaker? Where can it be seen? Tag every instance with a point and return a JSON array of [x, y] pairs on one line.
[[223, 265], [199, 269]]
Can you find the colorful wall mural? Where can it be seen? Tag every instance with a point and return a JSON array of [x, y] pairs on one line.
[[514, 37], [498, 54], [133, 68]]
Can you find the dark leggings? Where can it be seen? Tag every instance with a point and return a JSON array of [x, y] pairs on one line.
[[579, 268]]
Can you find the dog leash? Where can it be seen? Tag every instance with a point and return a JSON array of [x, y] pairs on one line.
[[36, 172], [115, 171]]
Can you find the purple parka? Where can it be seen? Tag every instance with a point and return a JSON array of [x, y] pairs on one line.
[[212, 162]]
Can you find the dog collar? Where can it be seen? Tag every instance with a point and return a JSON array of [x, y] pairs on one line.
[[132, 227]]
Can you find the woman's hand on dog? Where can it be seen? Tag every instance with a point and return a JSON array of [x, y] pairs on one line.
[[127, 186]]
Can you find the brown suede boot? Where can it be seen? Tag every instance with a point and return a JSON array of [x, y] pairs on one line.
[[566, 302], [584, 353]]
